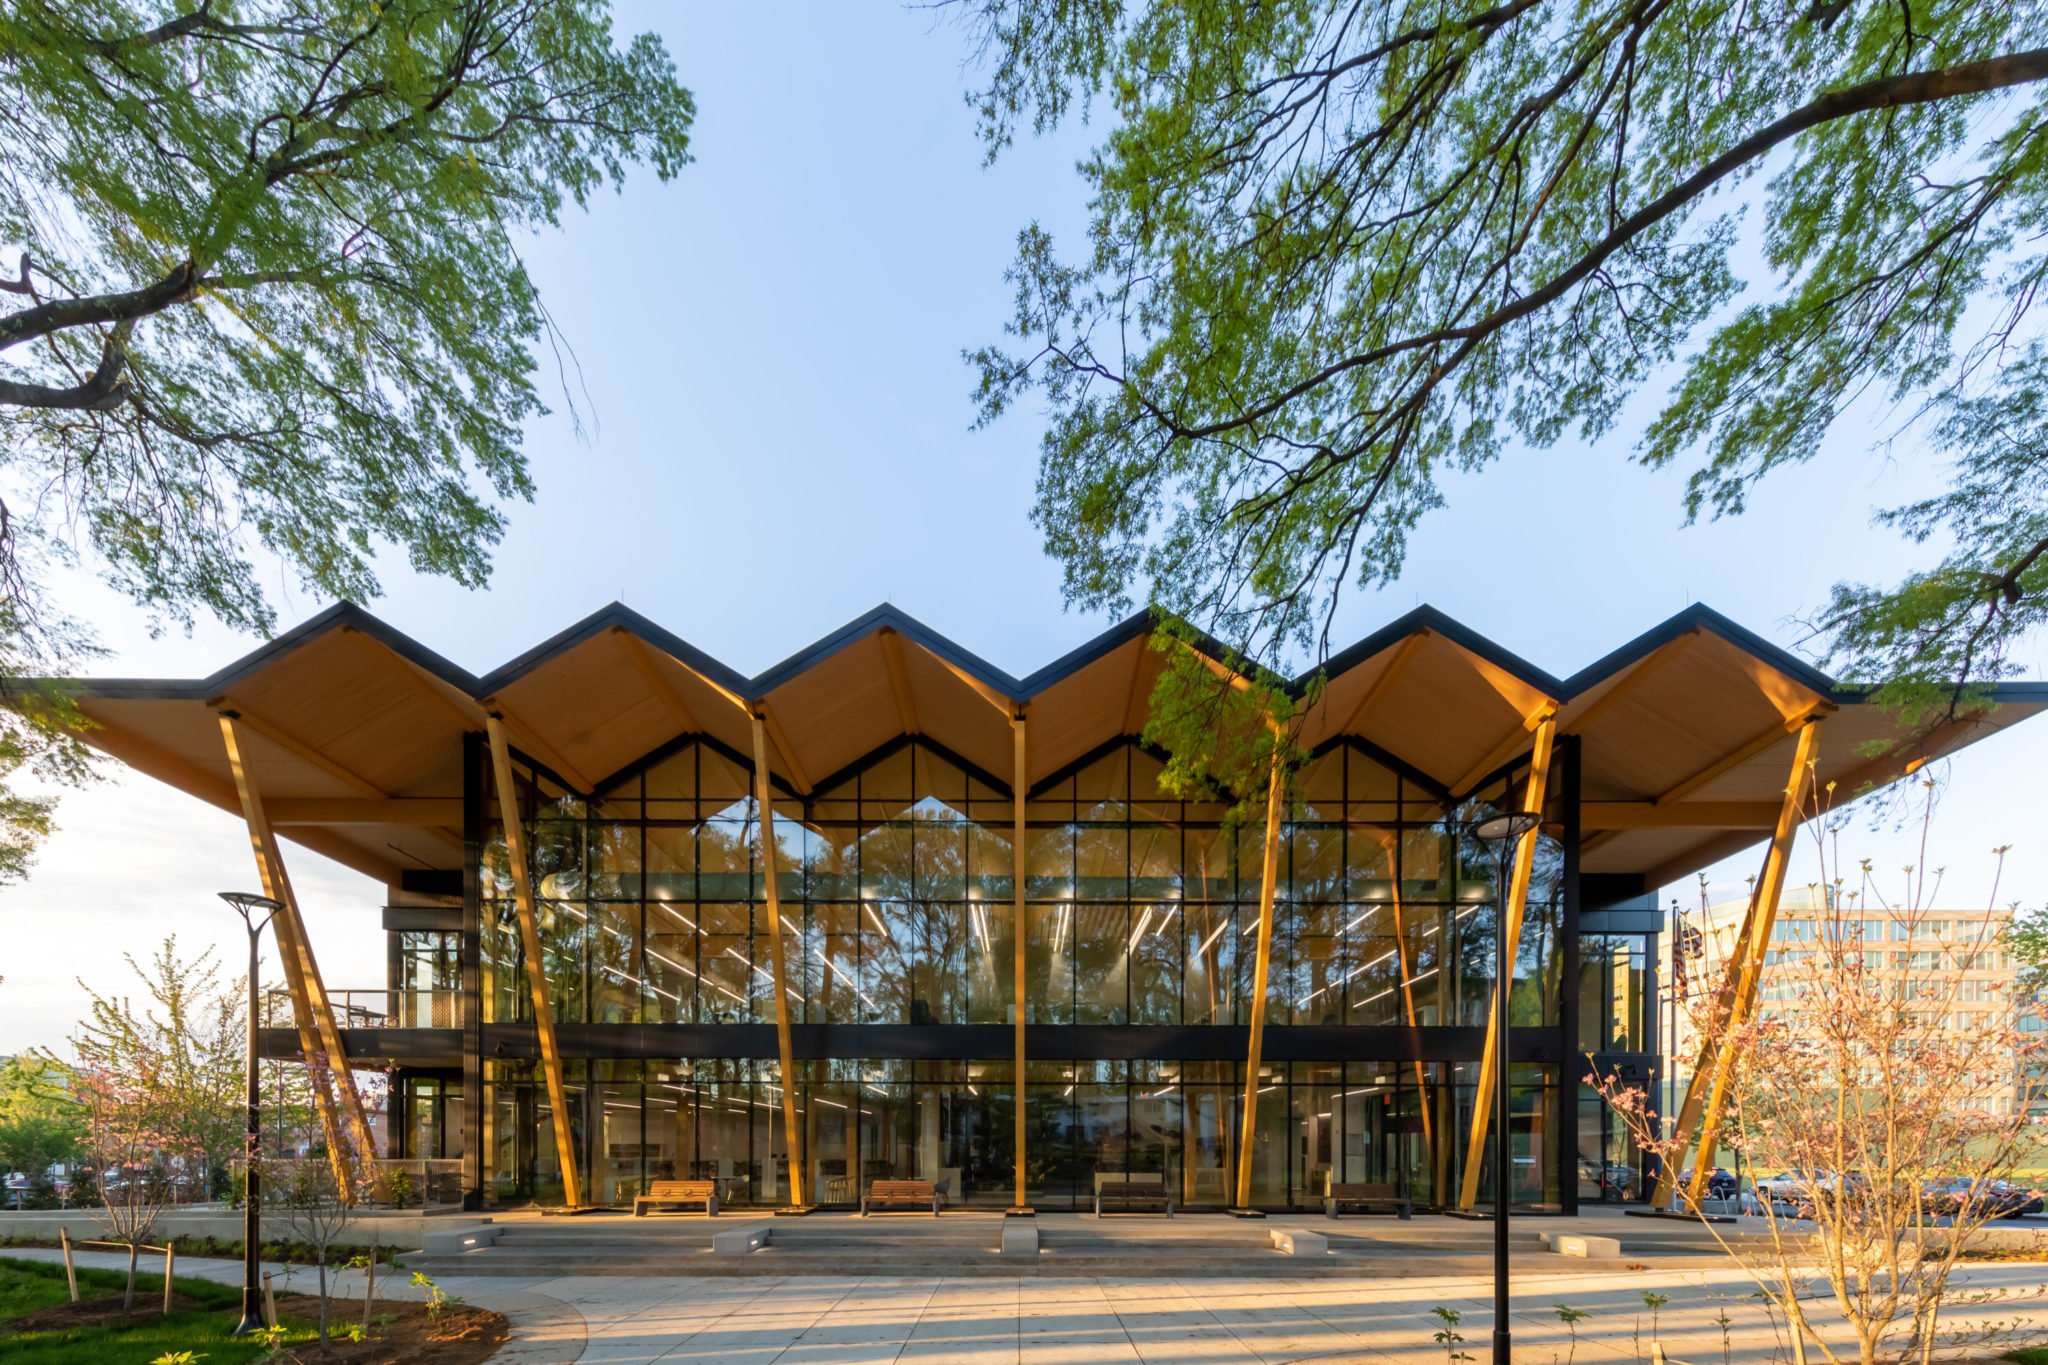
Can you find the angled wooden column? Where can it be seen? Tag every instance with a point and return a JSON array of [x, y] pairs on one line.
[[1706, 1095], [536, 970], [1269, 875], [771, 867], [1390, 844], [1504, 972], [1020, 781], [340, 1108]]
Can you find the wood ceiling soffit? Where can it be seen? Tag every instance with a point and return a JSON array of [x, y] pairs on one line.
[[291, 744], [1006, 705], [642, 659], [1506, 749], [466, 712], [1138, 706], [1524, 697], [1403, 655], [784, 750], [530, 741], [1793, 701], [899, 680], [1644, 671], [1727, 763]]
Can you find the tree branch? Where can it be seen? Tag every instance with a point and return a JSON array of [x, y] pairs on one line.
[[104, 389], [59, 314]]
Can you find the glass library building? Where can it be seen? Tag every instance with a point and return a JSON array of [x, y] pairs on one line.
[[991, 951]]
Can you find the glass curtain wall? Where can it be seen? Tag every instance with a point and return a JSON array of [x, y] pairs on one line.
[[897, 889]]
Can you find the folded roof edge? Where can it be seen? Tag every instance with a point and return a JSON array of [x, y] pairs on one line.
[[888, 617]]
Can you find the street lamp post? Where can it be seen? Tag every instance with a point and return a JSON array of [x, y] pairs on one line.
[[249, 905], [1503, 832]]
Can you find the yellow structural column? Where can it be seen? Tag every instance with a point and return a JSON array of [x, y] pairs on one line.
[[1504, 972], [335, 1099], [1269, 874], [771, 867], [1019, 783], [536, 971], [1388, 843], [1706, 1095]]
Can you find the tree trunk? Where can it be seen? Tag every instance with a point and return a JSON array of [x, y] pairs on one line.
[[323, 1297], [128, 1298]]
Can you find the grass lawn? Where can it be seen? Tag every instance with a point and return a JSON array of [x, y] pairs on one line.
[[31, 1286], [2029, 1355]]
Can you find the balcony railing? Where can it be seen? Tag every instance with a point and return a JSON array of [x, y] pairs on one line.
[[375, 1008]]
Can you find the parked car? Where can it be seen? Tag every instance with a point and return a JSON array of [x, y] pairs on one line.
[[1978, 1197], [1786, 1187], [1720, 1182]]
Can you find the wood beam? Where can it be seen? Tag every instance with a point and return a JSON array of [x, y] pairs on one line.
[[512, 820], [291, 744], [783, 750], [339, 1106], [1727, 763], [1018, 835], [1504, 971], [642, 659], [1269, 873], [1735, 1004], [1390, 843], [532, 743], [1404, 655], [1503, 751], [899, 680], [771, 877], [1006, 705], [1616, 815], [441, 811], [1644, 671]]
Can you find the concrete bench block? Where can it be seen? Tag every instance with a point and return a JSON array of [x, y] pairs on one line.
[[741, 1241], [1020, 1237], [1578, 1244], [454, 1241], [1291, 1242]]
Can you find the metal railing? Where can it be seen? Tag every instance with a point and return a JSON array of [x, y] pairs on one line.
[[375, 1008]]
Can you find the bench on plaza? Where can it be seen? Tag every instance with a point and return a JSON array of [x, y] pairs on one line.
[[1366, 1198], [916, 1194], [672, 1194], [1133, 1196]]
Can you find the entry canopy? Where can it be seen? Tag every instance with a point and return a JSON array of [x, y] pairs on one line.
[[353, 730]]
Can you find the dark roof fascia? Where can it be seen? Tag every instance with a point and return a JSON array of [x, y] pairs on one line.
[[620, 616], [342, 615], [1699, 616], [1428, 618], [1135, 627], [886, 617]]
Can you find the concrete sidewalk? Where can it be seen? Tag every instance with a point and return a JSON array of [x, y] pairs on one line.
[[878, 1320]]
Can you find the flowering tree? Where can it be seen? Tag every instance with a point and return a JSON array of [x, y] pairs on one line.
[[131, 1150], [1895, 1084]]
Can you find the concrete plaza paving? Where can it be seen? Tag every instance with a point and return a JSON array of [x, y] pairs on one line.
[[1210, 1320]]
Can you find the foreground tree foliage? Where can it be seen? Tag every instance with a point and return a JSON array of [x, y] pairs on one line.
[[259, 282], [1337, 249]]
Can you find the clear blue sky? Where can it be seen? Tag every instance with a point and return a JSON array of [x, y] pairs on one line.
[[771, 345]]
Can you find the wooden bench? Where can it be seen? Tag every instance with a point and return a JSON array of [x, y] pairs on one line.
[[916, 1194], [1367, 1199], [1130, 1196], [671, 1193]]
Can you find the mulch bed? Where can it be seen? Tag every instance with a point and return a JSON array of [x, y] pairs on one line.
[[402, 1332]]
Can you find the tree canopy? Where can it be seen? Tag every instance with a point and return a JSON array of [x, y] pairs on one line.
[[1337, 249], [260, 285]]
